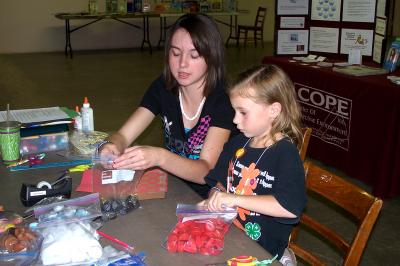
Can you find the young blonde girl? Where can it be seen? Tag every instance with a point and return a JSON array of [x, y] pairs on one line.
[[261, 169]]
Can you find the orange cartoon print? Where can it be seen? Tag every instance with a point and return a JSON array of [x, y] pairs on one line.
[[246, 186]]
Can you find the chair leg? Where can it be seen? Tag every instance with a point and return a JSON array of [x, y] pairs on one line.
[[255, 38], [262, 39], [245, 38]]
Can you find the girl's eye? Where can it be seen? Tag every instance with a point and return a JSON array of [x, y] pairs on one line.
[[194, 55]]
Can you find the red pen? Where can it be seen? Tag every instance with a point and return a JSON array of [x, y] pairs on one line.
[[115, 240]]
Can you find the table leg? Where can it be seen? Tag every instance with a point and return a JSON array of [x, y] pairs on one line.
[[163, 29], [68, 39], [146, 35]]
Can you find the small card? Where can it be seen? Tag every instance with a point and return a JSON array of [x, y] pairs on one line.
[[355, 57]]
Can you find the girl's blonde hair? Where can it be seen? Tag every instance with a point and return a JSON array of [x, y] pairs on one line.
[[269, 84]]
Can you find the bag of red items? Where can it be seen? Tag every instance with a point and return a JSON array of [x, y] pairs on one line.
[[199, 231]]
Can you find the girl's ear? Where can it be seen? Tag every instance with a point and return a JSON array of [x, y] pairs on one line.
[[275, 109]]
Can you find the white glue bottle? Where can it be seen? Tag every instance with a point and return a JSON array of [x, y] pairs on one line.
[[87, 116]]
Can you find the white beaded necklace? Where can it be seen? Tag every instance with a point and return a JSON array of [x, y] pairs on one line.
[[198, 109]]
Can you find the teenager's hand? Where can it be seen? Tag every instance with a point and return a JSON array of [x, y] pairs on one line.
[[109, 149], [139, 158]]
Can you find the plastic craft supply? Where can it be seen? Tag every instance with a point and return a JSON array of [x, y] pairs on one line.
[[116, 240], [199, 230], [111, 208], [49, 165]]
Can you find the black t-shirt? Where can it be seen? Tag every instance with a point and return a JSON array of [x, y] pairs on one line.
[[278, 171], [217, 112]]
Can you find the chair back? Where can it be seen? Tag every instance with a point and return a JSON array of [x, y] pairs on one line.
[[306, 139], [260, 18], [361, 205]]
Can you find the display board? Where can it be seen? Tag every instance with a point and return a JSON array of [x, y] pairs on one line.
[[331, 28]]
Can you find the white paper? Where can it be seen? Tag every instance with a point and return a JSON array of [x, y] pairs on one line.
[[27, 116], [324, 39], [359, 10], [115, 176], [380, 8], [380, 26], [355, 57], [292, 7], [292, 42], [292, 22], [327, 10], [377, 54], [356, 39]]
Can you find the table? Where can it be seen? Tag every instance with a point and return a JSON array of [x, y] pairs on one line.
[[100, 16], [355, 122], [233, 24], [145, 228]]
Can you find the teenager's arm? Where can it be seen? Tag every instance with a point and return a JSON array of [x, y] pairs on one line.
[[133, 127]]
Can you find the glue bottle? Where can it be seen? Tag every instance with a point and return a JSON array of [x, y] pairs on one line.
[[87, 116], [78, 119]]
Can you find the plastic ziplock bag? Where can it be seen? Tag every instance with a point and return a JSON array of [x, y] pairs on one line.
[[68, 211], [19, 246], [117, 188], [199, 231], [70, 244]]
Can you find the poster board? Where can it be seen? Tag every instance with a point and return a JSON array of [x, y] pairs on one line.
[[334, 28]]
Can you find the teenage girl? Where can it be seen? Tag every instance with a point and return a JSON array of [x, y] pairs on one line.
[[261, 169], [190, 99]]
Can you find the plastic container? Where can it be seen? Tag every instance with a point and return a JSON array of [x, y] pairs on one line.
[[87, 116]]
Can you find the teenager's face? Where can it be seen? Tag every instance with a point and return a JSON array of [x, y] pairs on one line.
[[187, 66], [251, 118]]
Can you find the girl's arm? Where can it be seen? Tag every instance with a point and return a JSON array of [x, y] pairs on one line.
[[263, 204]]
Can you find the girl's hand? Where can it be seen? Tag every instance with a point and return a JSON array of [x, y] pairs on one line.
[[218, 201], [139, 158]]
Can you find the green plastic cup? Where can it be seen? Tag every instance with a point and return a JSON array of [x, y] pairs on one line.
[[10, 141]]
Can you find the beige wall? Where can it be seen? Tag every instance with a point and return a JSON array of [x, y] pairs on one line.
[[30, 26]]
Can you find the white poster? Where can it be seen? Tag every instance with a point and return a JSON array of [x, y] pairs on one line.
[[380, 8], [356, 39], [359, 10], [292, 7], [292, 22], [324, 40], [380, 26], [292, 42], [377, 55], [327, 10]]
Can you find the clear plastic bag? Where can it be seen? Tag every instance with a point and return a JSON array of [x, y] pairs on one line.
[[198, 230], [86, 142], [117, 188], [68, 211], [70, 244], [19, 246]]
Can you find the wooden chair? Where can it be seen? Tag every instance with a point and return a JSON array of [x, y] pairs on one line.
[[306, 139], [257, 28], [364, 207]]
